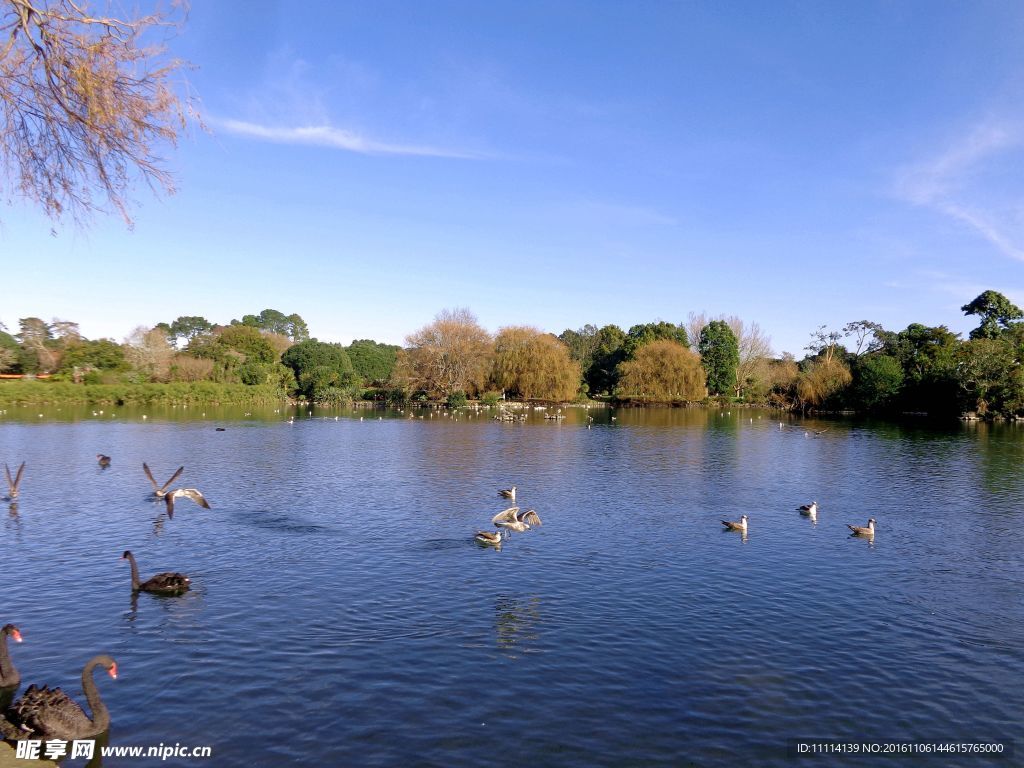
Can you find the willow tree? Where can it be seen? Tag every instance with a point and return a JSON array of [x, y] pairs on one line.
[[821, 379], [451, 354], [662, 371], [86, 102], [534, 365]]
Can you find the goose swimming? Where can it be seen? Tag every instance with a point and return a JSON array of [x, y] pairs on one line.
[[13, 484], [160, 491], [868, 530], [740, 526], [508, 493], [491, 538], [184, 493]]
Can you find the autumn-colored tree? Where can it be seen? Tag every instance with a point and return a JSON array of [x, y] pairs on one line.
[[660, 372], [450, 354], [534, 365], [820, 379], [187, 368], [85, 105], [755, 352]]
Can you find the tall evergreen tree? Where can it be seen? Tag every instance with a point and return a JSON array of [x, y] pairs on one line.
[[719, 354]]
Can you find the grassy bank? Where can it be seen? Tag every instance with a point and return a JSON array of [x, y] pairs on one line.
[[177, 393]]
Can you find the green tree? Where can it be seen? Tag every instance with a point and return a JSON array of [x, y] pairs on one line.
[[601, 376], [720, 355], [990, 375], [877, 380], [928, 357], [99, 355], [581, 344], [996, 311], [645, 333], [323, 371], [189, 327], [372, 362], [274, 321]]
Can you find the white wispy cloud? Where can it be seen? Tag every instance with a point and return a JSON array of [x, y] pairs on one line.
[[336, 138], [953, 184]]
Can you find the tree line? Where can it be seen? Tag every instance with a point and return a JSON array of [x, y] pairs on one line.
[[862, 366]]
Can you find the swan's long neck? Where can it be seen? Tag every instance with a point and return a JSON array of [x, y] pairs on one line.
[[100, 716], [8, 674], [135, 571]]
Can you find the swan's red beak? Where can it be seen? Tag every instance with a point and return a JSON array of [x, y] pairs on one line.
[[16, 635], [113, 670]]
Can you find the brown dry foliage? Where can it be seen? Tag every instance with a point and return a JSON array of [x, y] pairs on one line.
[[84, 105], [188, 368], [534, 365], [450, 354], [662, 371], [821, 378]]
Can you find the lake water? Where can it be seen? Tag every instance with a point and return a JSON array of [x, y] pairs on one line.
[[342, 614]]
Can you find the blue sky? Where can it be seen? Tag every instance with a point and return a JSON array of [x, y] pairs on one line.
[[562, 163]]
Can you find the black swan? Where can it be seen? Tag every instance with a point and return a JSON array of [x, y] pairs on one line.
[[13, 483], [103, 460], [184, 493], [47, 714], [161, 584], [158, 490], [9, 677]]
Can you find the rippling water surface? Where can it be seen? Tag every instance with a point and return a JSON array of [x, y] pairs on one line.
[[342, 614]]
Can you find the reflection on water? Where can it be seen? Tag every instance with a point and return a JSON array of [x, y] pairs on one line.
[[341, 613], [516, 623]]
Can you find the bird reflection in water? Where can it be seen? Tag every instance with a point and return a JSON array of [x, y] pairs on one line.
[[516, 620]]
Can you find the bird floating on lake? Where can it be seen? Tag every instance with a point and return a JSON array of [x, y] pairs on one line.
[[868, 530], [161, 491], [50, 714], [161, 584], [809, 509], [9, 677], [104, 461], [740, 526], [13, 484], [508, 493], [491, 538]]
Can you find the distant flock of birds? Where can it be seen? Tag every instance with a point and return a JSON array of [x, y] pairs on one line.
[[506, 521], [46, 713]]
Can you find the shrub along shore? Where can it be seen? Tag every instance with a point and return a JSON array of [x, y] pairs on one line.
[[176, 393]]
